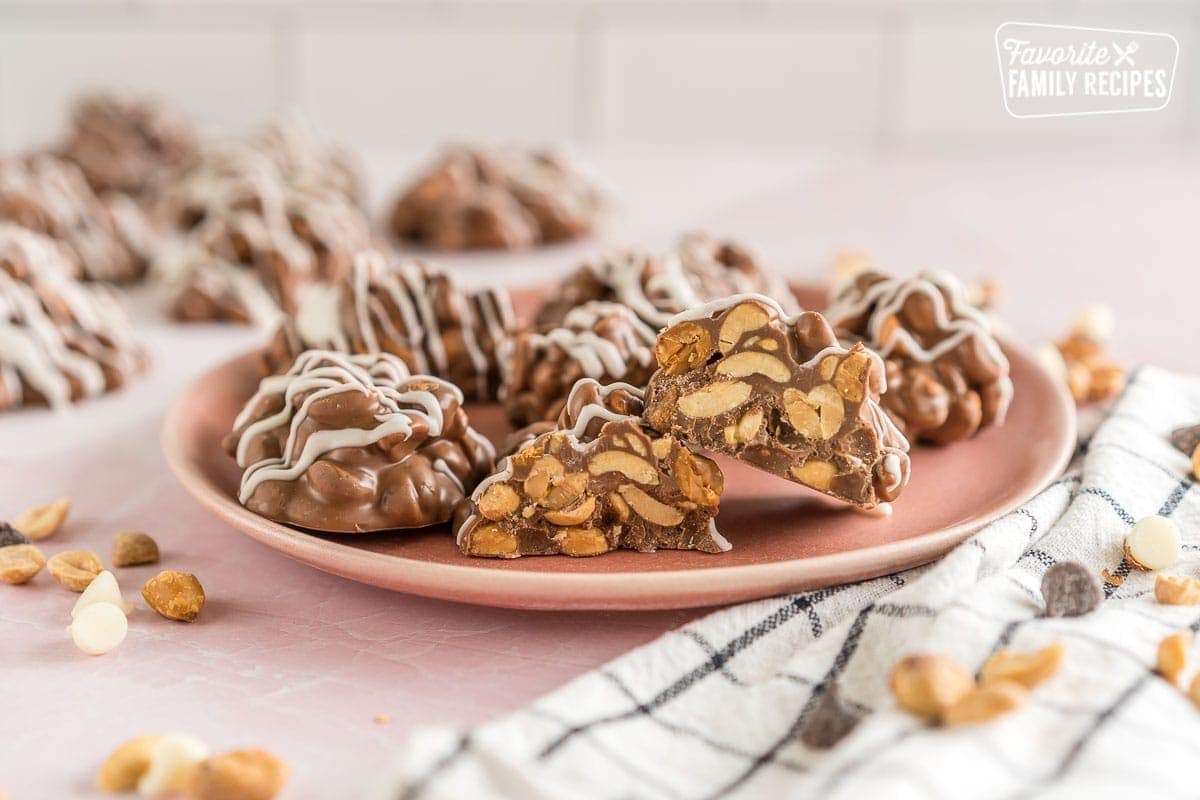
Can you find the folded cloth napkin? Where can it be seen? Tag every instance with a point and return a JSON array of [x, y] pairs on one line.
[[715, 708]]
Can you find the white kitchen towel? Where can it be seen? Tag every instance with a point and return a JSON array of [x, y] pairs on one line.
[[714, 709]]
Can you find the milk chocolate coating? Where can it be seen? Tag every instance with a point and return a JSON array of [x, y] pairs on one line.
[[409, 309], [946, 376], [698, 269], [64, 341], [598, 340], [502, 198], [739, 378], [49, 195], [126, 143], [601, 482], [396, 481]]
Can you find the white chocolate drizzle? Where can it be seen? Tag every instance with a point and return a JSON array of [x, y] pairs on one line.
[[597, 356], [317, 374], [49, 349], [409, 288], [958, 318]]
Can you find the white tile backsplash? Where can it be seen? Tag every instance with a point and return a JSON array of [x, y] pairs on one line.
[[382, 74], [750, 82], [222, 73], [405, 82]]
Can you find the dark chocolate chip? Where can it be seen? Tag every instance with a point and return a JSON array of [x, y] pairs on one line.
[[1186, 438], [10, 535], [829, 722], [1070, 590]]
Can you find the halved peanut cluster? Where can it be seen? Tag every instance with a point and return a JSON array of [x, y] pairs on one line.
[[741, 378], [604, 480], [947, 377]]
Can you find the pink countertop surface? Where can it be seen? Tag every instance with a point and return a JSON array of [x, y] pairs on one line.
[[302, 662]]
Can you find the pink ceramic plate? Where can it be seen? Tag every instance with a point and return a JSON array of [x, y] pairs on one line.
[[784, 537]]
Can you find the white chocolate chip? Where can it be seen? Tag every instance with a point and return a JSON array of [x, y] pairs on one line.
[[171, 762], [99, 628], [1095, 322], [1153, 543], [102, 589]]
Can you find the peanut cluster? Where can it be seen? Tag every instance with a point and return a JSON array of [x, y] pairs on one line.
[[415, 311], [604, 482], [109, 238], [504, 198], [946, 376], [408, 479], [126, 143], [780, 394]]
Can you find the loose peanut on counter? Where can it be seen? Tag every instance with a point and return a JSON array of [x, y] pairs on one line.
[[927, 685], [173, 762], [175, 595], [1026, 669], [1172, 655], [1153, 543], [75, 569], [242, 774], [986, 702], [127, 764], [1176, 590], [134, 548], [40, 522], [20, 562], [1194, 691]]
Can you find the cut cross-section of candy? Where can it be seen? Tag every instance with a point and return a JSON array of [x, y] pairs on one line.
[[741, 377], [600, 481]]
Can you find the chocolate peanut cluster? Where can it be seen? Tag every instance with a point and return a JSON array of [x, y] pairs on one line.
[[700, 268], [109, 237], [947, 377], [739, 376], [602, 320], [128, 144], [355, 443], [602, 481], [409, 309], [249, 238], [600, 340], [60, 340], [496, 198]]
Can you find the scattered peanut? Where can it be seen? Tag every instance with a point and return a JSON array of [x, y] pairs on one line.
[[172, 764], [927, 685], [382, 719], [40, 522], [986, 702], [1153, 543], [127, 764], [133, 548], [20, 562], [1196, 463], [240, 775], [1026, 669], [1172, 655], [75, 569], [1194, 691], [99, 628], [1176, 590], [175, 595]]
